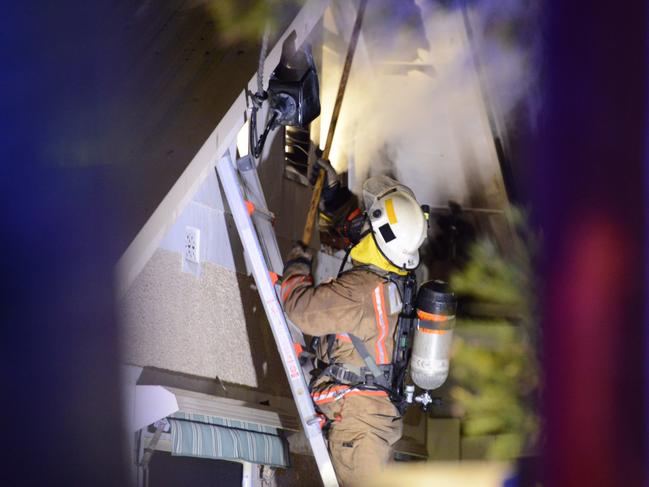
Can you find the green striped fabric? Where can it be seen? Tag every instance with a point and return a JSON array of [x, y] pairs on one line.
[[196, 435]]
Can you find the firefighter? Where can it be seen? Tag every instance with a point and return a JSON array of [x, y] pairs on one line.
[[355, 316]]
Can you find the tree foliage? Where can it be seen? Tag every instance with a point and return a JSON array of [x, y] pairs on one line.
[[494, 371], [246, 20]]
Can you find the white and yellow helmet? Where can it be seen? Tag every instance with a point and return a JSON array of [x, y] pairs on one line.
[[396, 220]]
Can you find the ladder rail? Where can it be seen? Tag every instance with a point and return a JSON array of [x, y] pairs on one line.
[[250, 239], [251, 187]]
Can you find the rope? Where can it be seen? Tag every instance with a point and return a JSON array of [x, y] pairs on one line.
[[256, 145], [262, 59]]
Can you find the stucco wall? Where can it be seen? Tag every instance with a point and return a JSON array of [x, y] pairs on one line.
[[211, 326]]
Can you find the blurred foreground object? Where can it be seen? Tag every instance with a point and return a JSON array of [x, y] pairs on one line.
[[494, 369], [589, 188], [469, 474], [246, 20], [59, 348]]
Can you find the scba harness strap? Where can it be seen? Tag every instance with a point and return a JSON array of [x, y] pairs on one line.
[[342, 375], [372, 375]]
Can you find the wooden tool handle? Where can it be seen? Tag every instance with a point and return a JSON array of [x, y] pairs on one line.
[[317, 190], [313, 209]]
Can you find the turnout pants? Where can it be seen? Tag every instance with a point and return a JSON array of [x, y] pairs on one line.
[[361, 437]]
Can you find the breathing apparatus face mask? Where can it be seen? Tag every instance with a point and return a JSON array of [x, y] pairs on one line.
[[355, 227]]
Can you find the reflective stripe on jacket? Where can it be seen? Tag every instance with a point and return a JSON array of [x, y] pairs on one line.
[[329, 392]]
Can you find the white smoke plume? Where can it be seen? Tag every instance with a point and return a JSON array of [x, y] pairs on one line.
[[425, 120]]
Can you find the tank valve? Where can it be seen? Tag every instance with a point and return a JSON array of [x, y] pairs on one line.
[[425, 400]]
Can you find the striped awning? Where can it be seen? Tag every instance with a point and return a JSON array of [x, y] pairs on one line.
[[196, 435]]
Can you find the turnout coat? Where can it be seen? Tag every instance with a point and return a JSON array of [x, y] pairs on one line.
[[364, 303]]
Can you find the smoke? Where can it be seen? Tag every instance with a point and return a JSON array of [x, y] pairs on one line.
[[427, 84]]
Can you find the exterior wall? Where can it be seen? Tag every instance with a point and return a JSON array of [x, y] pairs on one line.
[[196, 325]]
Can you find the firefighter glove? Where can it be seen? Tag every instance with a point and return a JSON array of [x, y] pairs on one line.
[[331, 176], [300, 255]]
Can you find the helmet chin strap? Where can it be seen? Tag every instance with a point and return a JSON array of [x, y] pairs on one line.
[[342, 264]]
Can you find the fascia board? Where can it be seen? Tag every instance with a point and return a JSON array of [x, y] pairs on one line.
[[220, 140], [152, 403]]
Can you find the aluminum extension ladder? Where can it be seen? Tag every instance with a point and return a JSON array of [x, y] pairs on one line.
[[260, 243]]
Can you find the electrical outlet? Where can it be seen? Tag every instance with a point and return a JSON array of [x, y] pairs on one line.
[[192, 249]]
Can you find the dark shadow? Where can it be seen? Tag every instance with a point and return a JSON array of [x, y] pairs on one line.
[[166, 470], [269, 370], [268, 367], [153, 376], [233, 235]]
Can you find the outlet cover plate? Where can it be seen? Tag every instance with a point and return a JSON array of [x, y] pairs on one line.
[[192, 247]]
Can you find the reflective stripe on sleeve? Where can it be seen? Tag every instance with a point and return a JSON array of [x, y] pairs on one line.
[[288, 285]]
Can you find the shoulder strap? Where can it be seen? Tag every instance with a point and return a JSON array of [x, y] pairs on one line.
[[374, 270], [360, 348], [331, 340], [365, 355]]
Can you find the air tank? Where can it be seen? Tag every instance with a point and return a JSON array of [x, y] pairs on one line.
[[433, 335]]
